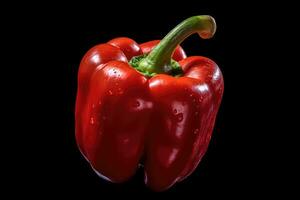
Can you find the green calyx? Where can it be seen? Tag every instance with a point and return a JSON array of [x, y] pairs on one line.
[[159, 60], [175, 69]]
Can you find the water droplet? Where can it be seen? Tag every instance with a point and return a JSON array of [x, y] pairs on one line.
[[194, 100], [120, 91], [196, 113], [92, 121], [196, 131], [110, 92], [220, 91], [200, 99], [208, 138], [175, 111], [136, 104], [99, 102], [179, 117], [93, 105]]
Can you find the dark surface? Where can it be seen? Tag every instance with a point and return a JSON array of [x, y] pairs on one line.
[[55, 39]]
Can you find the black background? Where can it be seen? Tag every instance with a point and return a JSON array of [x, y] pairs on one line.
[[48, 44]]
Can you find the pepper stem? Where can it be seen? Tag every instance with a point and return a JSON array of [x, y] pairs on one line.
[[159, 59]]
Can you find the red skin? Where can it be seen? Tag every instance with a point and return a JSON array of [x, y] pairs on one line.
[[121, 115]]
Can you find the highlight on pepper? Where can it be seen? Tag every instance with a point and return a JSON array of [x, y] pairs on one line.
[[148, 105]]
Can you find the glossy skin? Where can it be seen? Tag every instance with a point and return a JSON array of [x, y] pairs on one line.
[[122, 116]]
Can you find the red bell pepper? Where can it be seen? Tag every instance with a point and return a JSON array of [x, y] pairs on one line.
[[157, 110]]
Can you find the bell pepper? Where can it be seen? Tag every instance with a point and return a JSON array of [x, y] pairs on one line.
[[148, 105]]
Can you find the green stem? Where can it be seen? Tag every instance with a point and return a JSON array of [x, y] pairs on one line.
[[159, 59]]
